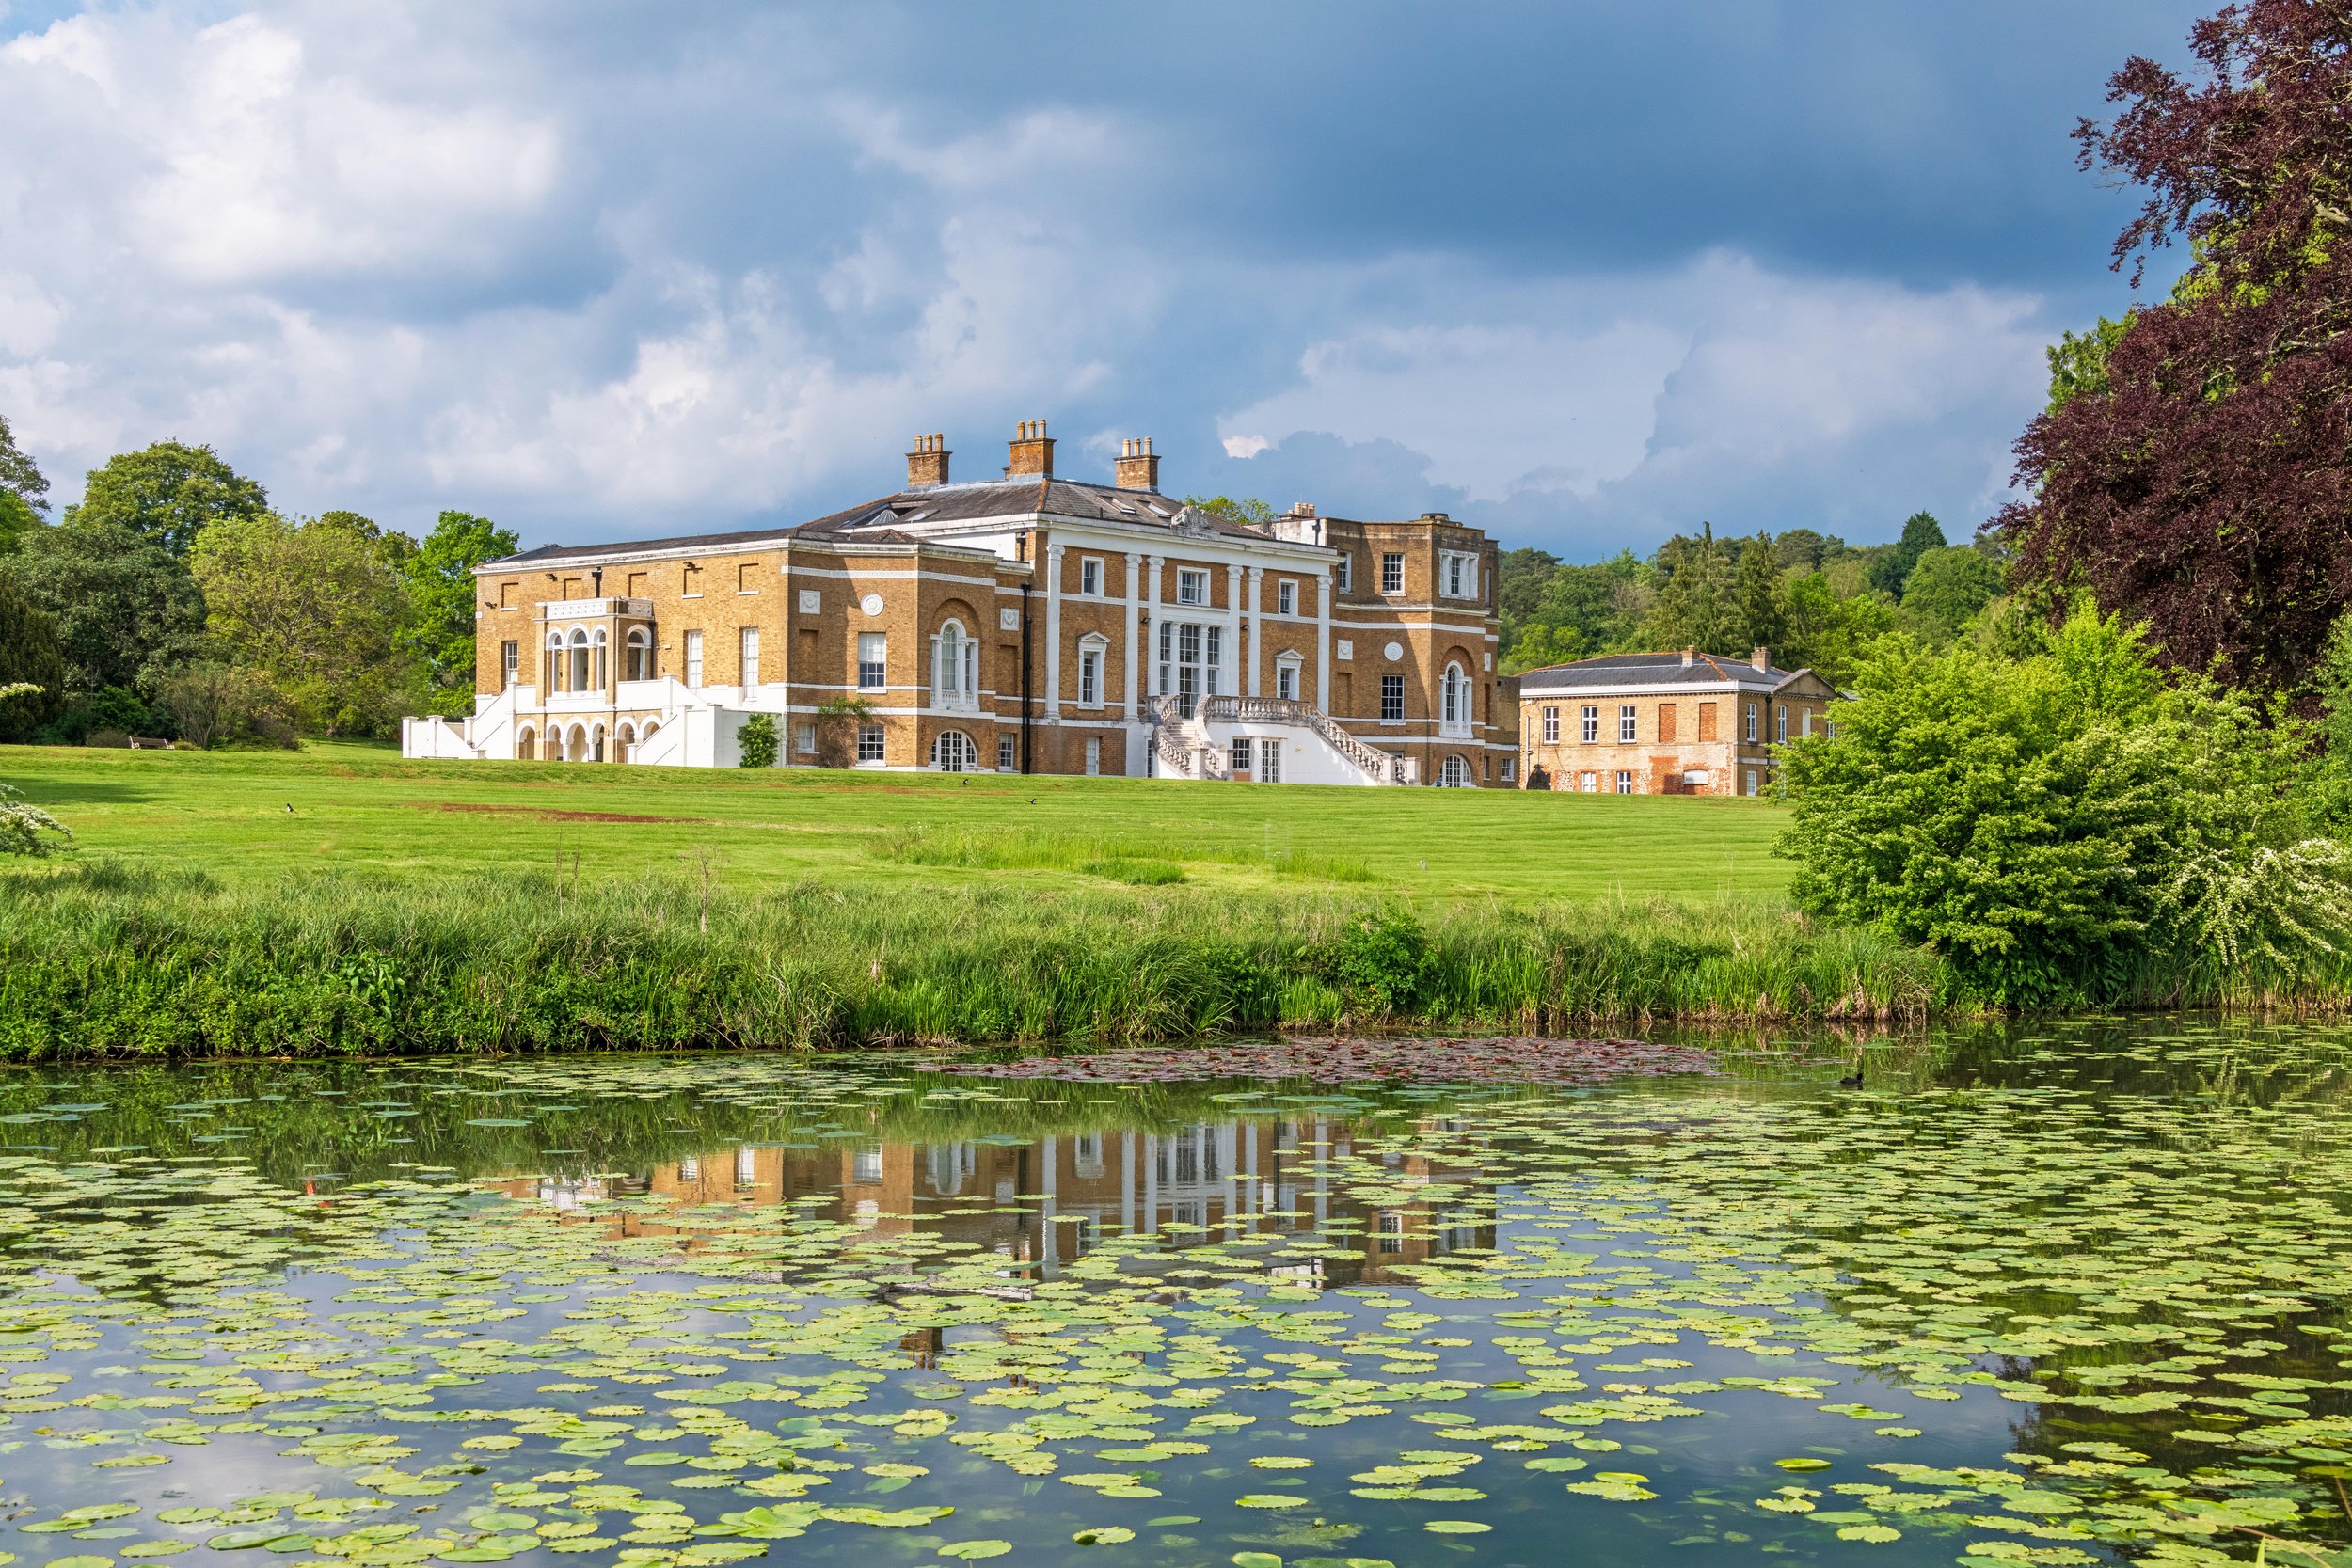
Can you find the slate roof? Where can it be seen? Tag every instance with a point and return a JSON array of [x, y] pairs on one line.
[[1611, 671], [880, 520]]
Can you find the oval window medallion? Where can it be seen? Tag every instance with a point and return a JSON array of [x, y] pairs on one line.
[[1392, 652], [871, 603]]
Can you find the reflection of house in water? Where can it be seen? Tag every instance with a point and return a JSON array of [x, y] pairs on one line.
[[1052, 1200]]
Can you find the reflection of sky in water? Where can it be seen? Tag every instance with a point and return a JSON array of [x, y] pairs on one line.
[[1147, 1204]]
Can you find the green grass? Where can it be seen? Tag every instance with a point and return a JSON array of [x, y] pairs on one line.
[[360, 808]]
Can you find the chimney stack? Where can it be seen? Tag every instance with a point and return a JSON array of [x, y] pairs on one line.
[[1762, 659], [1138, 467], [1032, 451], [928, 463], [1690, 657]]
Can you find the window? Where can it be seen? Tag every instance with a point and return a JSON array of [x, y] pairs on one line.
[[952, 753], [1191, 661], [870, 743], [1094, 756], [1242, 750], [1510, 769], [1286, 597], [866, 1166], [694, 659], [805, 739], [1588, 728], [637, 655], [1453, 774], [1453, 701], [1780, 722], [1625, 722], [1270, 762], [1090, 678], [1625, 783], [1461, 576], [1751, 734], [1008, 753], [1286, 679], [1391, 1231], [1588, 782], [1392, 698], [873, 661], [747, 655], [1551, 726], [1192, 587], [747, 579], [1392, 573], [955, 668], [1090, 576], [1346, 576], [1751, 780], [510, 663], [1806, 715], [689, 582]]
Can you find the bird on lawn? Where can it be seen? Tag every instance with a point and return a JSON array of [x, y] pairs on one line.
[[1854, 1082], [290, 808]]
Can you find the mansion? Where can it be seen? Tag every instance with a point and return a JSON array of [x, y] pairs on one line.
[[1022, 624], [1686, 724]]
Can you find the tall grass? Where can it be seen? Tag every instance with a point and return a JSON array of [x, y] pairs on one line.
[[1121, 857], [98, 959]]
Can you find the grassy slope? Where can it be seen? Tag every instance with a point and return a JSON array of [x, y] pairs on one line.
[[363, 807]]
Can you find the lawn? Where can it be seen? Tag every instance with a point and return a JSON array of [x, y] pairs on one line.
[[360, 807]]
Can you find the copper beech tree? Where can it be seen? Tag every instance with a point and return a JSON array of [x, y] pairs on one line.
[[2200, 477]]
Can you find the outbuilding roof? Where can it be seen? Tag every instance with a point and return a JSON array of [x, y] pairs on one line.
[[1614, 670]]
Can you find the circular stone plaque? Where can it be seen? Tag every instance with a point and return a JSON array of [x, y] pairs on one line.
[[871, 603], [1393, 652]]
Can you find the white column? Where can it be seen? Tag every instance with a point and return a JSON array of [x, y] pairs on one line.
[[1256, 612], [1323, 641], [1232, 627], [1049, 1151], [1135, 647], [1052, 634]]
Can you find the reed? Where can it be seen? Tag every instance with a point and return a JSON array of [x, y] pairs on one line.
[[100, 958]]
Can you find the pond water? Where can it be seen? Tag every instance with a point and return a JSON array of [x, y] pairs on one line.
[[2059, 1295]]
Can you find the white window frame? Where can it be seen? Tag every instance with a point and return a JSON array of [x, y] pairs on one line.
[[1286, 597], [873, 674], [1780, 723], [1288, 667], [1343, 573], [510, 663], [1461, 575], [1093, 659], [872, 746], [1625, 780], [1090, 576], [747, 655], [1269, 769], [1551, 726], [1588, 724], [804, 740], [955, 668], [952, 752], [1392, 571], [1588, 784], [1454, 703], [1628, 724], [693, 660], [1007, 755], [1240, 755], [1752, 729], [1396, 684], [1192, 586]]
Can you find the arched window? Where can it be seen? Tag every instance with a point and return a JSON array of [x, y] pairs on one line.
[[554, 681], [602, 667], [580, 661], [525, 745], [953, 753], [596, 744], [637, 659], [1455, 774], [1454, 700], [578, 751], [955, 668]]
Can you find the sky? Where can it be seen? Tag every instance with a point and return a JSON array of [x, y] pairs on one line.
[[1583, 273]]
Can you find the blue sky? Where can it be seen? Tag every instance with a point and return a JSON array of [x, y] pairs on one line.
[[1585, 273]]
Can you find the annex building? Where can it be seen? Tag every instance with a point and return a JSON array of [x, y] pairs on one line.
[[1686, 724], [1026, 622]]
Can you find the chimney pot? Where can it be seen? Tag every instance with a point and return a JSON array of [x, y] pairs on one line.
[[926, 464], [1690, 657], [1032, 451], [1762, 659], [1138, 467]]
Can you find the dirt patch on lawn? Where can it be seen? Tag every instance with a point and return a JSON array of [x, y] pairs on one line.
[[548, 813]]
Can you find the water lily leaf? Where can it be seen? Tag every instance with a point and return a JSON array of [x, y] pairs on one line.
[[975, 1548]]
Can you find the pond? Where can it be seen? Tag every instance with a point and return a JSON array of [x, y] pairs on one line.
[[2060, 1294]]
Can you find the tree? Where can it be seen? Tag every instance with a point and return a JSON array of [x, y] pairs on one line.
[[1892, 570], [1803, 549], [213, 703], [24, 491], [32, 666], [124, 608], [1945, 592], [1693, 603], [169, 491], [2200, 475], [757, 741], [1245, 510], [2078, 363], [319, 607], [439, 583], [1758, 604], [1578, 611], [1828, 634]]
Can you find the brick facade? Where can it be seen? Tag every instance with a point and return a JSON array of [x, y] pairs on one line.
[[1699, 725]]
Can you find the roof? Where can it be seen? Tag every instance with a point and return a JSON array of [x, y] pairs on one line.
[[885, 519], [1612, 670]]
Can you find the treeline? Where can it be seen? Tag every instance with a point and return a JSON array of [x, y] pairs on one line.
[[174, 601], [1812, 598]]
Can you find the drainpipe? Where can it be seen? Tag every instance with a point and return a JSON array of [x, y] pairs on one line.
[[1024, 677]]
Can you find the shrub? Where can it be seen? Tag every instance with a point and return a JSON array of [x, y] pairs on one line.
[[757, 739], [22, 826]]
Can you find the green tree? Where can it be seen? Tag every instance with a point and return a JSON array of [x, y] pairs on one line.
[[1945, 592], [2078, 362], [1693, 604], [169, 493], [1827, 633], [1245, 510], [1803, 549], [32, 666], [1575, 611], [756, 740], [318, 606], [439, 583], [1890, 571], [1760, 604], [125, 609], [24, 491]]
